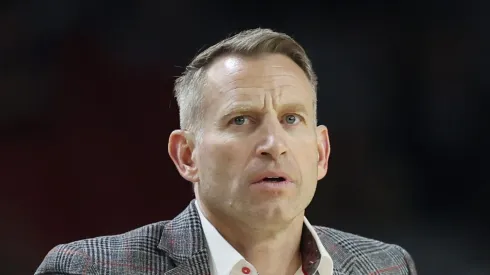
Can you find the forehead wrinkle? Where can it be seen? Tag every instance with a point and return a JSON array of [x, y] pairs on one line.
[[280, 95], [235, 70], [284, 83], [272, 82]]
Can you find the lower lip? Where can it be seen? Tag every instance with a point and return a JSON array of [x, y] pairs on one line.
[[272, 185]]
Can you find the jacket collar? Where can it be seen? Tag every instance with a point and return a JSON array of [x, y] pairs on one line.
[[184, 242]]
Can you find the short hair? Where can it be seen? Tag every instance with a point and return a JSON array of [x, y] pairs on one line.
[[248, 43]]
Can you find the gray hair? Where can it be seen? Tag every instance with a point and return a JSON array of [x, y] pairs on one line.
[[188, 87]]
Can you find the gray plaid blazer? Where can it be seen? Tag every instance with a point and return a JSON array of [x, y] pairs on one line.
[[178, 247]]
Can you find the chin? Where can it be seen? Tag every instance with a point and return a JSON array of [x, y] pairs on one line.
[[274, 211]]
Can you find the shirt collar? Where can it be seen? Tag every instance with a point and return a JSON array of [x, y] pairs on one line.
[[314, 255], [217, 245]]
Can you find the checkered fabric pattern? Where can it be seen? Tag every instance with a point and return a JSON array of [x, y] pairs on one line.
[[178, 247]]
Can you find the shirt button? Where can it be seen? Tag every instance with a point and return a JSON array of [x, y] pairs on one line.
[[245, 270]]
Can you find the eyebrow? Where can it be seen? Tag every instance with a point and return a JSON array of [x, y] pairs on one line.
[[249, 108], [233, 109], [294, 107]]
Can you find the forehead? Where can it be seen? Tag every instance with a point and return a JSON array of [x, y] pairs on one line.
[[238, 77]]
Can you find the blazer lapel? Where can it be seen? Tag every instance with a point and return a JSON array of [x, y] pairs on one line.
[[339, 255], [184, 241], [197, 264]]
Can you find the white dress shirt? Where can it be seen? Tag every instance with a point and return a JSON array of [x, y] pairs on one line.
[[225, 260]]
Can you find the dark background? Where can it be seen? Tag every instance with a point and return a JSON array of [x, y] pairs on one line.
[[86, 108]]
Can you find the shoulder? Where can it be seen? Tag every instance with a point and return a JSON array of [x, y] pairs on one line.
[[365, 255], [85, 256]]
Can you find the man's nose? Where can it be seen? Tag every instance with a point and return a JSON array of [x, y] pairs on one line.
[[273, 144]]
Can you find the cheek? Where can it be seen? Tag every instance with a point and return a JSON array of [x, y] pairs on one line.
[[219, 156], [306, 147], [306, 154]]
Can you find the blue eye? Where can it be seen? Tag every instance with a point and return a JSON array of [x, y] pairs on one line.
[[291, 119], [239, 120]]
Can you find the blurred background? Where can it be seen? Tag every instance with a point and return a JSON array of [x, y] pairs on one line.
[[86, 107]]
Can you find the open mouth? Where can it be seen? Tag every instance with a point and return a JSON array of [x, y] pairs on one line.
[[277, 183], [273, 179]]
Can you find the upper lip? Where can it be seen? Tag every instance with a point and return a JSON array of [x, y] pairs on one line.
[[271, 174]]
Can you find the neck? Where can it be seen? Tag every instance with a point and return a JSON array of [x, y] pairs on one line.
[[266, 248]]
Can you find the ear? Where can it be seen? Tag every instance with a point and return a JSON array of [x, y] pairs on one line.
[[181, 151], [323, 143]]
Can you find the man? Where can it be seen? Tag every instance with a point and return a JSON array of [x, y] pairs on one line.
[[250, 145]]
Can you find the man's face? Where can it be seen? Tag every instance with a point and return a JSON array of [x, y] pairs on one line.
[[259, 123]]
